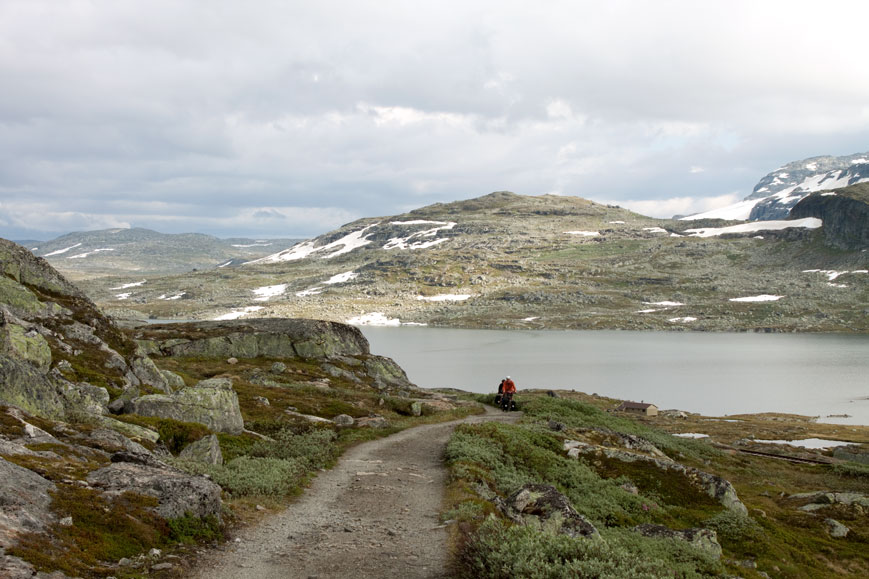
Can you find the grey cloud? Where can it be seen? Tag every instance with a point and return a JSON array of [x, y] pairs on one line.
[[210, 115]]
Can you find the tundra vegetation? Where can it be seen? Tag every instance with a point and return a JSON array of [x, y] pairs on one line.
[[623, 490]]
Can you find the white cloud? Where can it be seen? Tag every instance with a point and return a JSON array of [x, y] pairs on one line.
[[666, 208]]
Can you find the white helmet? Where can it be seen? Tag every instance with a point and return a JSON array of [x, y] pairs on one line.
[[508, 377]]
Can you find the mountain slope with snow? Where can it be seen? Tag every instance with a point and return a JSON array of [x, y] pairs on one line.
[[779, 191], [511, 261]]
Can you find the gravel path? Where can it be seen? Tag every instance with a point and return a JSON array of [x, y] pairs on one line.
[[374, 515]]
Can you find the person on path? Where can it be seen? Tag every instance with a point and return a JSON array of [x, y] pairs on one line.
[[509, 389]]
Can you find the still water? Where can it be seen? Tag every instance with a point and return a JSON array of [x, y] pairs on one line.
[[711, 373]]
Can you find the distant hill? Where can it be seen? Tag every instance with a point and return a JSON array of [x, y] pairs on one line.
[[511, 261], [108, 252], [779, 191]]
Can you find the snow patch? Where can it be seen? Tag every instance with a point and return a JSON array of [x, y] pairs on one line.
[[814, 443], [690, 435], [655, 229], [62, 251], [408, 243], [83, 255], [123, 296], [616, 222], [225, 264], [373, 319], [129, 285], [667, 304], [257, 244], [342, 278], [309, 292], [830, 194], [531, 319], [237, 313], [177, 296], [685, 320], [338, 247], [584, 233], [445, 298], [649, 311], [760, 298], [807, 223], [269, 291]]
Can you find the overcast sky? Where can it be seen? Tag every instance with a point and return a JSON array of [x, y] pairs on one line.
[[289, 118]]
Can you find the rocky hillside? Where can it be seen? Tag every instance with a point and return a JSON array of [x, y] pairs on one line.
[[778, 192], [143, 252], [101, 450], [845, 213], [510, 261]]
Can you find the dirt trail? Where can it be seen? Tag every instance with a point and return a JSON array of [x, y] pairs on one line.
[[374, 515]]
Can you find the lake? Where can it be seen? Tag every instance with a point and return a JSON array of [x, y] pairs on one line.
[[715, 374]]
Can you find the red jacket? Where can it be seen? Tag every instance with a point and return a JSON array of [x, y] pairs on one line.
[[509, 386]]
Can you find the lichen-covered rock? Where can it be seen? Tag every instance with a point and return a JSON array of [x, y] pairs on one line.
[[205, 450], [23, 385], [25, 344], [174, 380], [211, 402], [177, 493], [132, 431], [551, 509], [24, 502], [385, 372], [84, 398], [147, 372]]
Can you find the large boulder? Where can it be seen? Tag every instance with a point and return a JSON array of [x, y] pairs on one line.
[[549, 508], [177, 493], [386, 373], [211, 402]]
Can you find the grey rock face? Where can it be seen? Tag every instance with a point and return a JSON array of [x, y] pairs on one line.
[[205, 450], [386, 372], [24, 501], [845, 216], [550, 508], [704, 539], [177, 493], [211, 402]]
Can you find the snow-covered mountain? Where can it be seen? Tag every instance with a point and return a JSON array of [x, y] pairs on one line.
[[775, 194]]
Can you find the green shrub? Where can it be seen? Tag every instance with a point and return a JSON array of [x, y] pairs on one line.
[[314, 449], [733, 527], [851, 469], [500, 551], [248, 475], [192, 529]]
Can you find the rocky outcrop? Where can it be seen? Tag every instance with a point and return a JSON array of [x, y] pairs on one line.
[[845, 215], [703, 539], [266, 338], [210, 402], [177, 493], [714, 486], [543, 505]]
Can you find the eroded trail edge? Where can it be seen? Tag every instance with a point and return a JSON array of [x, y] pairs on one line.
[[374, 515]]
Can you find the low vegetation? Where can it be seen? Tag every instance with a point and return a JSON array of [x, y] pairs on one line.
[[488, 462]]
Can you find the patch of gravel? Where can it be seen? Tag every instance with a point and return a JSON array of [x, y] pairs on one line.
[[375, 515]]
